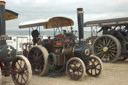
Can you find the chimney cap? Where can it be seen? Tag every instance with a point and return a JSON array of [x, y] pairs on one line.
[[79, 9]]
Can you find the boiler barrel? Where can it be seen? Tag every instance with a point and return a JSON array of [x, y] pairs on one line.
[[82, 51], [7, 53]]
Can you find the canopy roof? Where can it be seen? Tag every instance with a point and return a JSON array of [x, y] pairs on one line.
[[107, 22], [9, 15], [48, 23]]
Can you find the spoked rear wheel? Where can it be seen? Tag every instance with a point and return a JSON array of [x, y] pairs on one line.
[[75, 68], [38, 57], [21, 71], [94, 68], [107, 48]]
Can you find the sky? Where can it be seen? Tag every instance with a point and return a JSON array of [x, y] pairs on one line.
[[39, 9]]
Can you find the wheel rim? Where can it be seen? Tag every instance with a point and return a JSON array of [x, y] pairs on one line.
[[107, 48], [36, 58], [94, 67], [19, 71], [75, 69]]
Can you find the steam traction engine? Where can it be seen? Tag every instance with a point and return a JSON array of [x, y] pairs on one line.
[[63, 51], [112, 44], [11, 64]]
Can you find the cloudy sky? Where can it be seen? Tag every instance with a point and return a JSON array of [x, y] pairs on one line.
[[38, 9]]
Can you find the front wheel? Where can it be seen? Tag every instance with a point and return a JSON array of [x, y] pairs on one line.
[[94, 67], [75, 68], [21, 72]]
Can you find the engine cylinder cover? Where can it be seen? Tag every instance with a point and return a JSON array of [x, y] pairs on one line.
[[7, 53]]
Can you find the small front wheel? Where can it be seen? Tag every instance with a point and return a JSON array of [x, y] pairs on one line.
[[75, 68], [94, 67]]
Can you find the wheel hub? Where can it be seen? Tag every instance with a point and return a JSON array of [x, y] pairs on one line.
[[74, 69], [105, 49], [93, 67], [21, 71]]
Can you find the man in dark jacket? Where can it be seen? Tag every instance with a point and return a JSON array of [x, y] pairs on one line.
[[35, 35]]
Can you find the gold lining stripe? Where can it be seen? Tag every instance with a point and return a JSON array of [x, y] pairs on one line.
[[80, 11]]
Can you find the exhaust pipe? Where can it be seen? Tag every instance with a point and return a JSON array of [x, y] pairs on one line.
[[80, 23], [2, 22]]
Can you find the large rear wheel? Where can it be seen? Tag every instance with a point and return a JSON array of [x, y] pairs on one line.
[[38, 57], [107, 48]]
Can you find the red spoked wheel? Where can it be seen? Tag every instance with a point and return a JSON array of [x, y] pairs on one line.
[[21, 71], [75, 68]]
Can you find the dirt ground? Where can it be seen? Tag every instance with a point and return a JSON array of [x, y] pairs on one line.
[[112, 74]]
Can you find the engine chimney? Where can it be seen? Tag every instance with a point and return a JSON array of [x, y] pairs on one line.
[[80, 22], [2, 21]]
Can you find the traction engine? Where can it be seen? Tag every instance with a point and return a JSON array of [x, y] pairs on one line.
[[64, 51]]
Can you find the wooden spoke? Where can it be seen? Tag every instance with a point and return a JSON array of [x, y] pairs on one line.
[[101, 42], [108, 42], [112, 45], [101, 55], [110, 56], [113, 51], [98, 47], [100, 52], [104, 41]]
